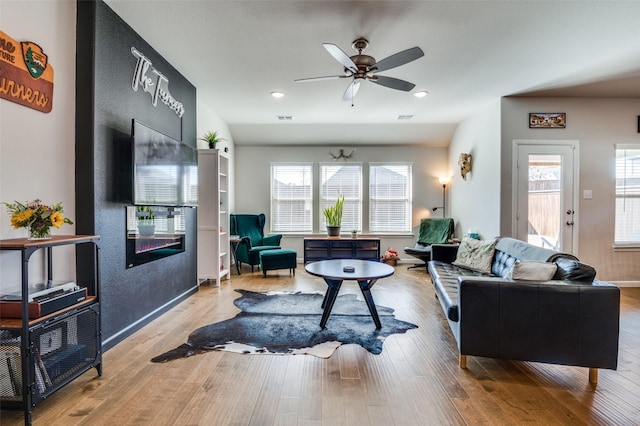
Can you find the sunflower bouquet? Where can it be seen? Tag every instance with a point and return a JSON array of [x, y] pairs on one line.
[[37, 217]]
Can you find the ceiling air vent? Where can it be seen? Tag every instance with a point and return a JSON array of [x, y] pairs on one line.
[[405, 117], [285, 117]]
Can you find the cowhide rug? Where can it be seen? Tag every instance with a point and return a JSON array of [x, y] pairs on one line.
[[289, 323]]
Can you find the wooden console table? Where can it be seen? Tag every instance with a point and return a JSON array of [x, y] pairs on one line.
[[324, 248]]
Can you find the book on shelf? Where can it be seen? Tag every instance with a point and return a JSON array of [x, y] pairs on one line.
[[40, 368], [10, 372]]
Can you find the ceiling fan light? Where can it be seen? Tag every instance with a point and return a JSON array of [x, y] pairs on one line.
[[421, 94], [277, 94]]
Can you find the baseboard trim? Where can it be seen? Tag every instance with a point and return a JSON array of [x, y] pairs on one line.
[[626, 283], [113, 340]]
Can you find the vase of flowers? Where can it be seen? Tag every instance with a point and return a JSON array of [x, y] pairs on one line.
[[37, 217]]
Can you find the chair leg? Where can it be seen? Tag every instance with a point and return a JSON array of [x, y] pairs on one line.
[[424, 265], [593, 375], [462, 361]]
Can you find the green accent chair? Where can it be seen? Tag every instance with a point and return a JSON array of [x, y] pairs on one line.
[[250, 229], [431, 231]]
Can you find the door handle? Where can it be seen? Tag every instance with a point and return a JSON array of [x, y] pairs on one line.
[[570, 222], [570, 211]]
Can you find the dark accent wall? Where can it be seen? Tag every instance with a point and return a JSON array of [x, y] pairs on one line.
[[105, 106]]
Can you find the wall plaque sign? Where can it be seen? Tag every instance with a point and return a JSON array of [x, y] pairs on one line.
[[26, 77], [154, 83]]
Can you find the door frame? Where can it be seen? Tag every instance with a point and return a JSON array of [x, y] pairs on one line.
[[575, 144]]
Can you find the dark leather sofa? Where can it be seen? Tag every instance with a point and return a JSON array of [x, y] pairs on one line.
[[572, 319]]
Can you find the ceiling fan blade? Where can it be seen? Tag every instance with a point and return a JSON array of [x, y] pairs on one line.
[[398, 59], [340, 56], [392, 83], [328, 77], [351, 91]]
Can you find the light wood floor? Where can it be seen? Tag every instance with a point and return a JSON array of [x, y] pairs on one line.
[[415, 381]]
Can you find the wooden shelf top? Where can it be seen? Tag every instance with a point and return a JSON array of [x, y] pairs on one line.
[[22, 243]]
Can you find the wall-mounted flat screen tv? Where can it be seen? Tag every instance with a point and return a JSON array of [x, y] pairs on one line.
[[165, 170]]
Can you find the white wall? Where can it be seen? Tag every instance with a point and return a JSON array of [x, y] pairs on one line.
[[598, 124], [252, 179], [475, 202], [208, 120], [37, 149]]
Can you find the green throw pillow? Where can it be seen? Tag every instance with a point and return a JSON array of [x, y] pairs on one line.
[[475, 254]]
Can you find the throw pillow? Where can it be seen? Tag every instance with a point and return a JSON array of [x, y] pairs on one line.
[[475, 254], [532, 271]]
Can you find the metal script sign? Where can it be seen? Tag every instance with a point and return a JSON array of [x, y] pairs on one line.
[[154, 83], [26, 77]]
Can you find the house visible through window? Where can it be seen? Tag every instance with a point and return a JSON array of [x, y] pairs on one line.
[[627, 216], [291, 197], [390, 202], [337, 180]]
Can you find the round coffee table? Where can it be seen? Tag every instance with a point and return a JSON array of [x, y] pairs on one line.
[[365, 272]]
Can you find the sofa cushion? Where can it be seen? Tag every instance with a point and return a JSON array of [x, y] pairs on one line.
[[531, 271], [573, 270], [502, 263], [475, 254]]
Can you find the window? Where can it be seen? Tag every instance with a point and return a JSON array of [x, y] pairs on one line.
[[627, 216], [291, 197], [337, 180], [390, 201]]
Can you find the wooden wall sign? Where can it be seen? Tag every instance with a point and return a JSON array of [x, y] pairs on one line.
[[26, 77]]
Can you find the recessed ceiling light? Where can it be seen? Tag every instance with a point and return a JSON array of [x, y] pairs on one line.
[[277, 94], [420, 94]]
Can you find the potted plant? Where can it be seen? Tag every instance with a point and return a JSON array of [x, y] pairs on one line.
[[211, 138], [333, 217], [146, 224], [354, 233]]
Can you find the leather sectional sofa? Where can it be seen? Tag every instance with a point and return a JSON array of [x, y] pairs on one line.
[[572, 319]]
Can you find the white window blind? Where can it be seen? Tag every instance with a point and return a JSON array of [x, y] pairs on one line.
[[337, 180], [291, 197], [627, 216], [390, 200], [157, 184]]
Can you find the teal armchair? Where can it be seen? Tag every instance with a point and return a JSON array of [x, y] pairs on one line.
[[249, 227]]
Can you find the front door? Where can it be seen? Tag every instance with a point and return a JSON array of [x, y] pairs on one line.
[[546, 180]]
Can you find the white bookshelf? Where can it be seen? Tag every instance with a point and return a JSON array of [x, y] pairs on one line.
[[214, 256]]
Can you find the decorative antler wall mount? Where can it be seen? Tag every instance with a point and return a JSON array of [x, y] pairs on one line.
[[342, 155]]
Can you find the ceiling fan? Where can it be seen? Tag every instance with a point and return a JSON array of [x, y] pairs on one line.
[[364, 67]]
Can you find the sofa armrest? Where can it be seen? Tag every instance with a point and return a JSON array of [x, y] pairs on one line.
[[559, 322], [444, 252]]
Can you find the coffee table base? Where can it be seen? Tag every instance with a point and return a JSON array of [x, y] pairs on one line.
[[332, 294]]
